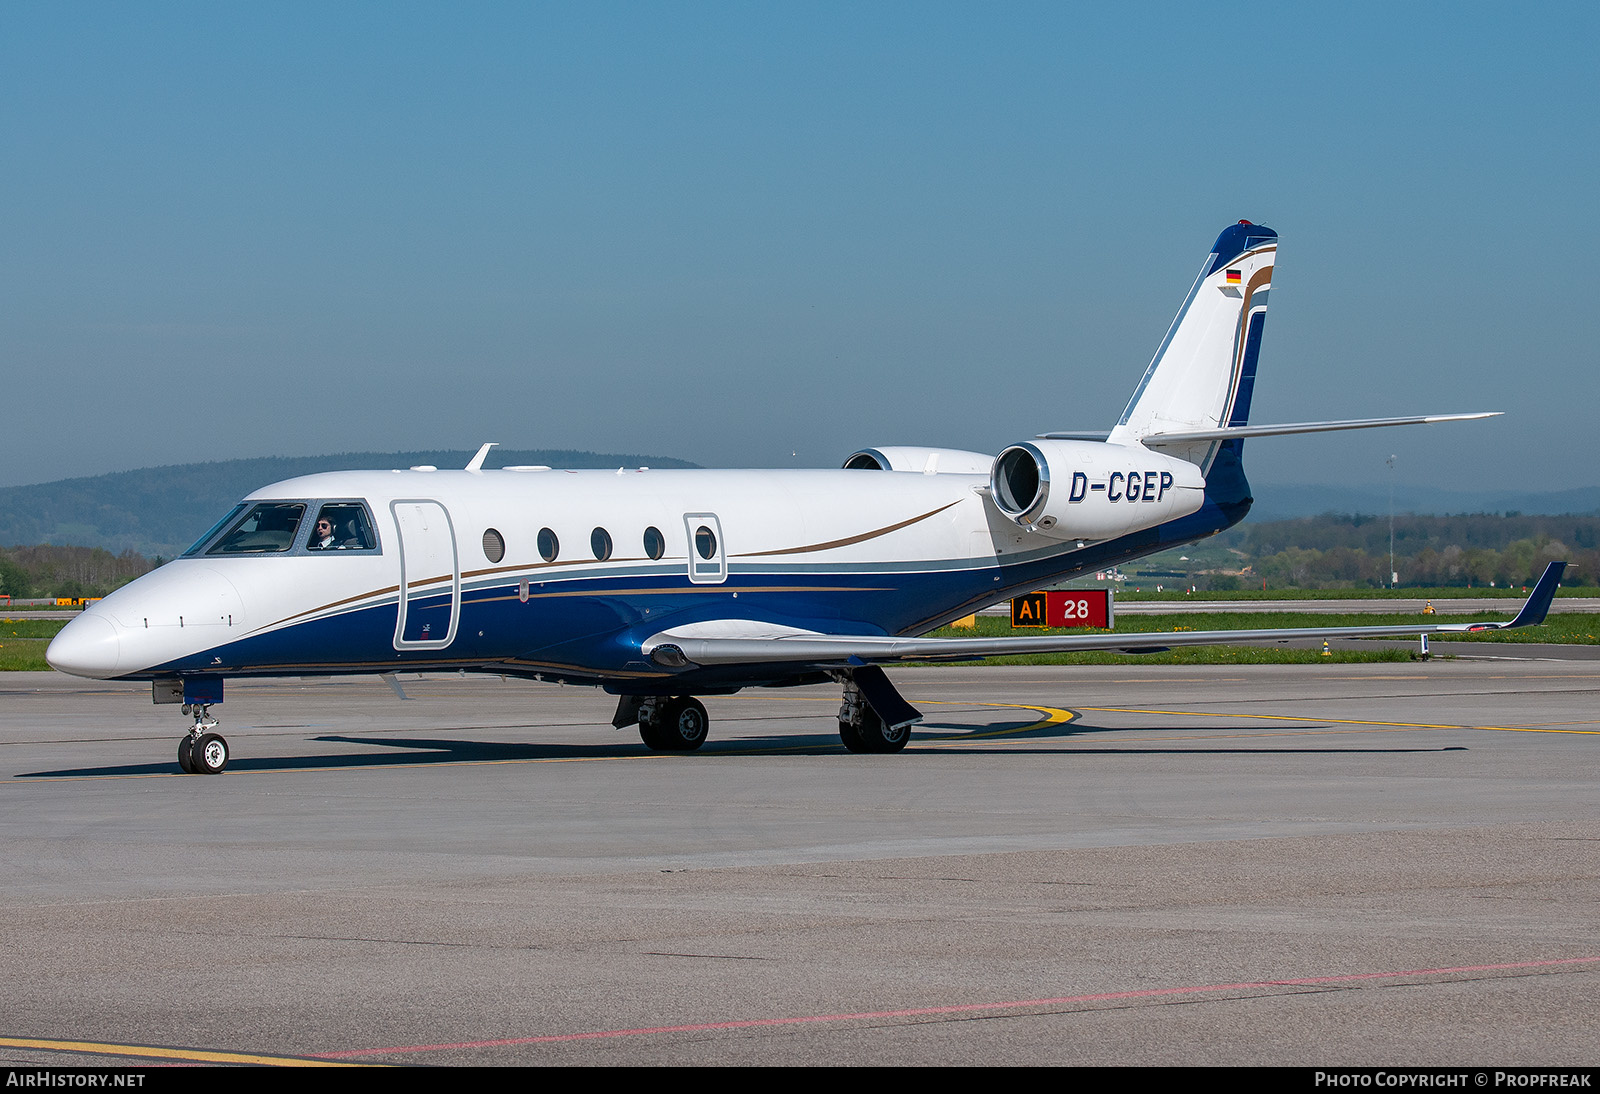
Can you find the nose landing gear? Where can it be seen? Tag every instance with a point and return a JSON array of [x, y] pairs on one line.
[[202, 752]]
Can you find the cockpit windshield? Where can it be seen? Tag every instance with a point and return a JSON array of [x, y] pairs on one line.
[[215, 528], [267, 528], [276, 527]]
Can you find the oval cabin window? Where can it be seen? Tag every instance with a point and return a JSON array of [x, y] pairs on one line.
[[494, 545], [549, 545], [655, 544], [600, 544]]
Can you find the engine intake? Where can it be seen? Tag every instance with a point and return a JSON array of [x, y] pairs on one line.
[[930, 461], [1092, 490]]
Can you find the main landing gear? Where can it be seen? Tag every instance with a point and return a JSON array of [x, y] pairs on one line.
[[202, 752], [861, 727], [872, 718], [678, 724]]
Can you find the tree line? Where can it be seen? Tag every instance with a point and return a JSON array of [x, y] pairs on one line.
[[1468, 550], [49, 570], [1329, 551]]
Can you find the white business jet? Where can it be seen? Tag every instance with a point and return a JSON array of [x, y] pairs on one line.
[[661, 586]]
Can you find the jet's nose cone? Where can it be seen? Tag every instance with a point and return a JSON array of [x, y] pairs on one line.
[[88, 646]]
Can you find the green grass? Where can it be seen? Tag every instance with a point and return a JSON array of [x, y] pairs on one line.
[[15, 627], [1205, 655], [23, 641], [1364, 593], [1000, 627], [1577, 629]]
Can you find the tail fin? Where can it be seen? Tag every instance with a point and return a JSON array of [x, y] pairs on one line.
[[1204, 373]]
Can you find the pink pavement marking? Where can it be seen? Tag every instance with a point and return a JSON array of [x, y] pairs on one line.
[[959, 1008]]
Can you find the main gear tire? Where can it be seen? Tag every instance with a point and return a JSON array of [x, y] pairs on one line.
[[685, 723], [878, 737], [851, 737], [654, 735]]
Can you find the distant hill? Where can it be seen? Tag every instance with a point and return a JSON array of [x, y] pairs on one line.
[[161, 510], [1291, 501]]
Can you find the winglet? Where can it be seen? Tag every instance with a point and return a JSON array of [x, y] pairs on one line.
[[1538, 602]]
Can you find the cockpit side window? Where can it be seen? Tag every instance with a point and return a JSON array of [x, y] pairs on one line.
[[215, 528], [266, 529], [341, 526]]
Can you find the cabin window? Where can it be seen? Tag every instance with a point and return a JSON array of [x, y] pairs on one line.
[[341, 526], [215, 528], [600, 544], [655, 544], [494, 545], [549, 545], [705, 542], [266, 529]]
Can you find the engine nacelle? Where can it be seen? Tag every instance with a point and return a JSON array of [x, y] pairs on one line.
[[1091, 490], [930, 461]]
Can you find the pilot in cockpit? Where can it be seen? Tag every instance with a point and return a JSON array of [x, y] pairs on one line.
[[340, 527], [322, 536]]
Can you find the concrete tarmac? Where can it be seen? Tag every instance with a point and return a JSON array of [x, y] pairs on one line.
[[1133, 864]]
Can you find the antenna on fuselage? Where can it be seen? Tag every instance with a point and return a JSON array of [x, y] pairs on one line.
[[476, 463]]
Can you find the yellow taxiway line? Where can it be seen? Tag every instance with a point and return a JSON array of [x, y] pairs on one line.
[[1336, 721], [158, 1052], [1052, 716]]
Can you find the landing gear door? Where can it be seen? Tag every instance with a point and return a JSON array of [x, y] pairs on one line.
[[708, 559], [430, 576]]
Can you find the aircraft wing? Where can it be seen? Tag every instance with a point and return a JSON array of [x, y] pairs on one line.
[[761, 644]]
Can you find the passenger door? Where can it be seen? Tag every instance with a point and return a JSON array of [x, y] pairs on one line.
[[430, 576]]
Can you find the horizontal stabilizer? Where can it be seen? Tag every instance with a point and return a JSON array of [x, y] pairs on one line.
[[851, 651], [1201, 435]]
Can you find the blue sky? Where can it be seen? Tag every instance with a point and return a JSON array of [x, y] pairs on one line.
[[759, 235]]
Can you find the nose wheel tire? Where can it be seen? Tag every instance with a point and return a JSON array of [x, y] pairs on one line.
[[208, 755], [185, 759]]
